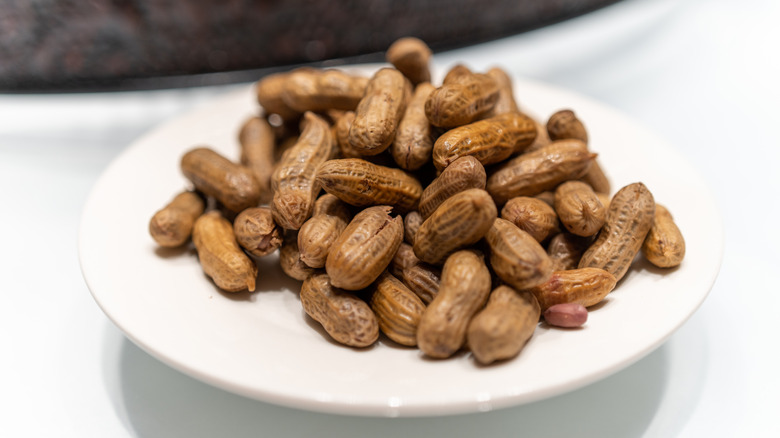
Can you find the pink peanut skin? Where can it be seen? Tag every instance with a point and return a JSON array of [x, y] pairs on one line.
[[567, 315]]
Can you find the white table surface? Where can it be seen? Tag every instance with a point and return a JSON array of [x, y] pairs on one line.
[[705, 75]]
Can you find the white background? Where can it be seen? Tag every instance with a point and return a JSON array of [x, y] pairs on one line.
[[705, 75]]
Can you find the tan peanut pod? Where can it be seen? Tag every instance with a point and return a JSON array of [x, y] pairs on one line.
[[365, 248], [566, 249], [423, 279], [564, 124], [398, 310], [463, 174], [531, 215], [268, 91], [232, 184], [341, 132], [361, 183], [310, 89], [465, 99], [488, 140], [465, 286], [290, 258], [664, 245], [379, 112], [460, 221], [542, 138], [543, 169], [629, 218], [579, 209], [506, 96], [220, 256], [404, 258], [411, 56], [586, 286], [504, 326], [455, 74], [257, 232], [413, 142], [258, 146], [319, 233], [604, 198], [412, 222], [516, 257], [294, 178], [597, 179], [344, 316], [171, 226]]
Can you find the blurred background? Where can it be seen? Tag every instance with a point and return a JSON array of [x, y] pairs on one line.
[[702, 74], [49, 46]]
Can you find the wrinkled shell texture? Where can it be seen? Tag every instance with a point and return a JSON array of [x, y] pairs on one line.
[[516, 257], [257, 232], [294, 178], [462, 100], [586, 286], [398, 310], [465, 286], [319, 233], [172, 225], [489, 140], [310, 89], [231, 184], [460, 221], [629, 218], [344, 316], [413, 142], [543, 169], [531, 215], [220, 256], [365, 248], [463, 174], [579, 209], [257, 141], [361, 183], [379, 112], [664, 245], [502, 328]]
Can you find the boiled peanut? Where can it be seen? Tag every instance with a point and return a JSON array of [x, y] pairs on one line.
[[294, 178], [462, 100], [317, 235], [532, 216], [172, 225], [411, 57], [540, 170], [488, 140], [568, 315], [365, 248], [220, 256], [269, 96], [361, 183], [456, 73], [586, 286], [566, 249], [290, 258], [257, 141], [579, 209], [516, 257], [629, 218], [564, 124], [309, 89], [506, 96], [230, 183], [413, 142], [344, 316], [423, 279], [463, 174], [341, 132], [460, 221], [404, 258], [664, 245], [412, 222], [379, 112], [465, 285], [257, 232], [504, 326], [398, 310]]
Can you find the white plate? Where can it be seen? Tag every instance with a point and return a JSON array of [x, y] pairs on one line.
[[262, 346]]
